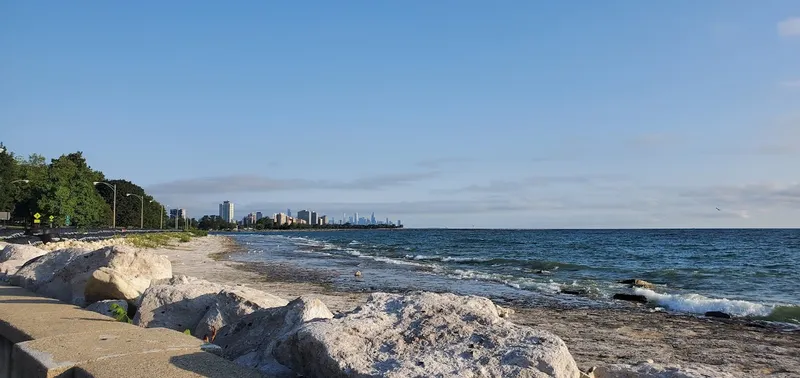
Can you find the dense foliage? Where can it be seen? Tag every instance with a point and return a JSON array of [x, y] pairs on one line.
[[65, 187]]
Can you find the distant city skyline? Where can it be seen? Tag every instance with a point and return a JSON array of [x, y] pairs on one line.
[[226, 211]]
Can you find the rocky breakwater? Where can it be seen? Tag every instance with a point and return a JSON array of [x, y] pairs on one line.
[[200, 306], [83, 277], [420, 334]]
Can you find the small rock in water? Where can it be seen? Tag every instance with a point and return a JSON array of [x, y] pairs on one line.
[[358, 273], [631, 297], [573, 292], [718, 314], [638, 283]]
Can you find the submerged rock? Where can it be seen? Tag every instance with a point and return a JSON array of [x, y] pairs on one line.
[[425, 334], [717, 314], [253, 340], [63, 274], [631, 297], [199, 306], [651, 370], [638, 283]]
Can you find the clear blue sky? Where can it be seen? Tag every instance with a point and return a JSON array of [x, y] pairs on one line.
[[444, 113]]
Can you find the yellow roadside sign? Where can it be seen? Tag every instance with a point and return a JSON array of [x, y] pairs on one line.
[[51, 218], [37, 215]]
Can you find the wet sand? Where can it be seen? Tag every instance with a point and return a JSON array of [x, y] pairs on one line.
[[594, 336]]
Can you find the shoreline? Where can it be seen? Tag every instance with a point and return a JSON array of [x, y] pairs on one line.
[[594, 336]]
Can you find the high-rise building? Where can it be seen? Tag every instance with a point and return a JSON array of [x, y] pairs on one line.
[[281, 219], [304, 215], [323, 220], [398, 223], [372, 220], [250, 219], [355, 218], [289, 213], [180, 213], [313, 220], [226, 212], [259, 216]]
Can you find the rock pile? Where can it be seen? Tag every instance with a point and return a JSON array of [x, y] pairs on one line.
[[420, 334], [67, 274]]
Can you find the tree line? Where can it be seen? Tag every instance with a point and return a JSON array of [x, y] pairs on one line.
[[64, 188]]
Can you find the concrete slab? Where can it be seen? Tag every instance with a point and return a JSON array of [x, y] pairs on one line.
[[173, 364], [23, 322], [5, 357], [56, 356]]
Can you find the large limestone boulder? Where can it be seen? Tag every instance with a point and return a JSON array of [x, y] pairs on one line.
[[425, 334], [232, 304], [106, 283], [253, 340], [63, 274], [14, 256], [652, 370], [185, 305]]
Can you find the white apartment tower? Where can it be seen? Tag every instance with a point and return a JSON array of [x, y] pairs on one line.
[[226, 211]]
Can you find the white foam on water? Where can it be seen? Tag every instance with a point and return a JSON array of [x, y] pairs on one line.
[[699, 304]]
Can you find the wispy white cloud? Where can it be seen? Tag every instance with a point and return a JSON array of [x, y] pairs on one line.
[[262, 184], [509, 186], [790, 84], [439, 162], [789, 27]]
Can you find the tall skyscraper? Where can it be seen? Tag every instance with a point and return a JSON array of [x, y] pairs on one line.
[[304, 215], [259, 216], [289, 213], [226, 212], [313, 220], [355, 218], [372, 220]]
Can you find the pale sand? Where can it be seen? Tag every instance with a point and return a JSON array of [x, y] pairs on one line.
[[594, 336]]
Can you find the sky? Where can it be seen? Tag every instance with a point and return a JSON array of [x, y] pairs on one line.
[[514, 114]]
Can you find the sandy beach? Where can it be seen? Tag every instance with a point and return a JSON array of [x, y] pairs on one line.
[[594, 336]]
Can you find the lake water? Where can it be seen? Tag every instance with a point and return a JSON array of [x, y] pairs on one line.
[[746, 273]]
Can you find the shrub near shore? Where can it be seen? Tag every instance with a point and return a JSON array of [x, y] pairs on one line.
[[161, 239]]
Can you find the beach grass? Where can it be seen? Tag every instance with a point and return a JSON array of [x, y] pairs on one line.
[[159, 239]]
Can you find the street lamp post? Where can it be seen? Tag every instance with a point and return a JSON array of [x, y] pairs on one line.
[[163, 209], [114, 188], [141, 224]]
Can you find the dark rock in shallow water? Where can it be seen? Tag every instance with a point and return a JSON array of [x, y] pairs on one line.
[[573, 292], [631, 297], [718, 314]]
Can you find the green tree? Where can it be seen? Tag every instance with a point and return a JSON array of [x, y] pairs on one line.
[[68, 191], [8, 173], [129, 207], [34, 169]]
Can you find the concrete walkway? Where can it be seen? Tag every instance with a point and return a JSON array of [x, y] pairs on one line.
[[43, 337]]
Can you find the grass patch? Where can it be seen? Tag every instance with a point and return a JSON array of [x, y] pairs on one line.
[[158, 239], [199, 233]]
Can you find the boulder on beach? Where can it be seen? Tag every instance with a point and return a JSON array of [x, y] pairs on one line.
[[638, 283], [104, 307], [14, 256], [424, 334], [106, 283], [253, 340], [199, 306], [718, 314], [63, 274], [652, 370]]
